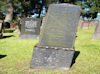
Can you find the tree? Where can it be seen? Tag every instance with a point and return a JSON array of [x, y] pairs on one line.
[[30, 7], [8, 7], [90, 8], [2, 9], [9, 12], [67, 1]]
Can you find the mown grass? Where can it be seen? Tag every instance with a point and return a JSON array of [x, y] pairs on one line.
[[15, 55]]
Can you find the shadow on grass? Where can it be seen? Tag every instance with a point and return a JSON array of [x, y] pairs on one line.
[[7, 36], [76, 54], [2, 56]]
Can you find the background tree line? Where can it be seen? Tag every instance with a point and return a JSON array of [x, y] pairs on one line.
[[10, 9]]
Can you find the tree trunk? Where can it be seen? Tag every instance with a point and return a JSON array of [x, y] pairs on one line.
[[9, 14]]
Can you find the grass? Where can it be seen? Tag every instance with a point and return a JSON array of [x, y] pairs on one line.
[[15, 55]]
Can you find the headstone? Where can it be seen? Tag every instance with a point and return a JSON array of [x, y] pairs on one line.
[[94, 22], [18, 26], [30, 28], [1, 28], [80, 22], [56, 47], [96, 35], [85, 25]]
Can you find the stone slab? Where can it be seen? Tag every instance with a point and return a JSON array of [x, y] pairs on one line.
[[55, 49], [61, 26], [28, 36], [48, 58], [96, 35], [30, 27], [94, 22]]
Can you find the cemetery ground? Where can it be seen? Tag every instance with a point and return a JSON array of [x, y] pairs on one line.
[[15, 55]]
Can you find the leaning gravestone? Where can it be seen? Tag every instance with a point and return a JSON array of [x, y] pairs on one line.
[[56, 47], [96, 35], [30, 28], [1, 28]]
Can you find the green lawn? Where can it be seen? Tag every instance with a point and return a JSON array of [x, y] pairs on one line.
[[15, 55]]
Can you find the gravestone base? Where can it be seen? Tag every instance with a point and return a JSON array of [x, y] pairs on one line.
[[52, 58], [28, 36]]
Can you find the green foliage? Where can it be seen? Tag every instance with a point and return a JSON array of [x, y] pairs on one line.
[[26, 6], [8, 30], [92, 5], [4, 6]]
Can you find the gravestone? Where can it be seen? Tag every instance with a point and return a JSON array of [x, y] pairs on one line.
[[80, 22], [56, 47], [94, 22], [18, 26], [1, 28], [85, 25], [96, 35], [30, 28]]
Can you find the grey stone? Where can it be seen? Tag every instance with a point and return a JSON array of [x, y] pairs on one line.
[[29, 36], [61, 26], [56, 47], [52, 58], [96, 35], [30, 28]]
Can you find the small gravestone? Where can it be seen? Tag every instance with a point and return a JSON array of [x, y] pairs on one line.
[[1, 28], [85, 24], [80, 23], [94, 23], [56, 47], [30, 28], [96, 35]]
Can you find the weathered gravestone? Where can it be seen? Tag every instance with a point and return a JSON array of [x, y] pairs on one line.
[[85, 24], [94, 22], [30, 28], [96, 35], [56, 47], [1, 28], [80, 23]]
